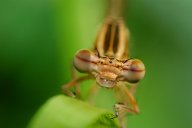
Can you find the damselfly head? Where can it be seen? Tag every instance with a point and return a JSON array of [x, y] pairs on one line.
[[109, 71]]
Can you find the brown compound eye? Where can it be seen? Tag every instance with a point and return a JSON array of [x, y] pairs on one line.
[[133, 70], [85, 61]]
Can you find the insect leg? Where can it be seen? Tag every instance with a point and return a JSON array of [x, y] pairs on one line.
[[76, 87], [73, 83], [126, 105], [133, 88]]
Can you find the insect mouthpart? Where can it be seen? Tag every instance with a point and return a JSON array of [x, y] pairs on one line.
[[106, 79], [105, 82]]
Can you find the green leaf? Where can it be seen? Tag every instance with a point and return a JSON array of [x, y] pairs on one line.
[[66, 112]]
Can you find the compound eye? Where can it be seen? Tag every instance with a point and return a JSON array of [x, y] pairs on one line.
[[85, 61], [133, 70]]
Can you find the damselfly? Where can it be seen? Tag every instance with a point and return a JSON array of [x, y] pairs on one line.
[[110, 65]]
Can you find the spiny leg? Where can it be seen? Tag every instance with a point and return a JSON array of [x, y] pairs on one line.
[[122, 108], [73, 83]]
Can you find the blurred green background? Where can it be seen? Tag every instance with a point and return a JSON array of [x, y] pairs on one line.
[[38, 39]]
